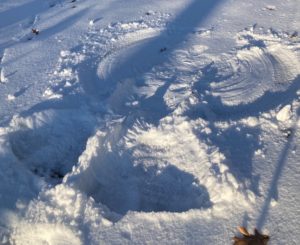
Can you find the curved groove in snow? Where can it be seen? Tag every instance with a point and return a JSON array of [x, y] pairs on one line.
[[255, 71], [125, 46]]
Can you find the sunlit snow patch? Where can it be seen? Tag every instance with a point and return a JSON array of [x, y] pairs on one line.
[[50, 234], [262, 63]]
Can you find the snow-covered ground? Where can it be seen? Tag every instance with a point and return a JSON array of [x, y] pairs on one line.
[[149, 122]]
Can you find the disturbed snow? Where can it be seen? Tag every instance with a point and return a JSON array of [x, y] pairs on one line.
[[169, 124]]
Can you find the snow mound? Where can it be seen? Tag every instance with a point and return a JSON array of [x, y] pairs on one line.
[[284, 114], [153, 169]]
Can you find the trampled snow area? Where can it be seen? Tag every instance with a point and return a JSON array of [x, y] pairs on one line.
[[149, 121]]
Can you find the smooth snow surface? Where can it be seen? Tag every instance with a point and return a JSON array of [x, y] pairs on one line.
[[148, 122]]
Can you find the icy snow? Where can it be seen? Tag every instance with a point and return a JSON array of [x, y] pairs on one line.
[[145, 122]]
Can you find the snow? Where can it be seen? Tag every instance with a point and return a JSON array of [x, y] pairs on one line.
[[284, 114], [145, 122]]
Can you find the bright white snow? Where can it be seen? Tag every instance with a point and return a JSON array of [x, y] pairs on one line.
[[148, 122]]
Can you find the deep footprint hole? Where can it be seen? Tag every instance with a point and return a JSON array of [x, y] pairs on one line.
[[49, 143], [147, 189]]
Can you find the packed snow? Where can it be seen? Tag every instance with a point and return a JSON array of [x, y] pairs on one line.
[[149, 122]]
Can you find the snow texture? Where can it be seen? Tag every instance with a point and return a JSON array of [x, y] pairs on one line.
[[145, 122]]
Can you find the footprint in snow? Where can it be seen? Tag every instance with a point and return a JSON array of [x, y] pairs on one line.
[[50, 142]]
